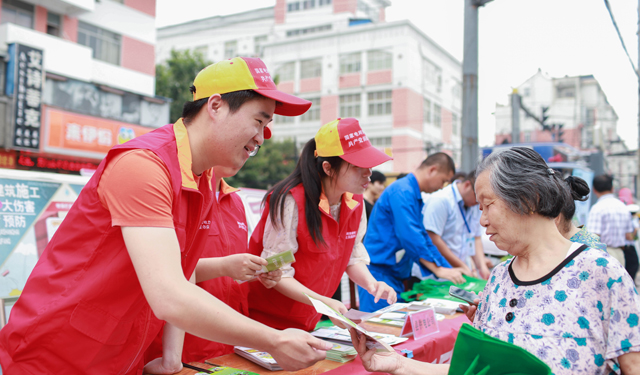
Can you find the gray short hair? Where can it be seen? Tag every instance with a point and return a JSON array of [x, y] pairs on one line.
[[522, 179]]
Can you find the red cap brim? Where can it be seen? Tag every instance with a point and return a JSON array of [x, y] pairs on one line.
[[267, 132], [290, 105], [367, 158]]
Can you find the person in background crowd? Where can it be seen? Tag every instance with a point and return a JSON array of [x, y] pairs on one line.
[[375, 188], [609, 219], [317, 212], [120, 263], [397, 238], [452, 220], [579, 190], [630, 253], [223, 263]]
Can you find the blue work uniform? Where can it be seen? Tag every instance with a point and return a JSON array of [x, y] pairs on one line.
[[396, 238]]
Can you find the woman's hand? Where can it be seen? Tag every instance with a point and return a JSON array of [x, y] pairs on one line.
[[243, 266], [270, 279], [339, 307], [371, 360], [157, 366], [470, 311], [380, 289], [452, 274]]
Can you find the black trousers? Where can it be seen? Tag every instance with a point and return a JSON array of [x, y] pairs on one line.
[[631, 260]]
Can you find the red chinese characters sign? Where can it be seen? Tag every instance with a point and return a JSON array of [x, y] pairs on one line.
[[73, 134]]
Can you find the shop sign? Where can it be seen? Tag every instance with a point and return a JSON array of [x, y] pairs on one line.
[[25, 80], [67, 133]]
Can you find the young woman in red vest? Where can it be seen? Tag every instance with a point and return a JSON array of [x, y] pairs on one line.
[[318, 213]]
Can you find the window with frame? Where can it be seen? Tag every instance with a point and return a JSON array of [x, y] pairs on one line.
[[379, 103], [379, 60], [18, 13], [286, 72], [293, 7], [426, 111], [230, 49], [283, 119], [313, 114], [311, 68], [456, 90], [258, 42], [437, 116], [380, 142], [54, 24], [454, 124], [308, 4], [324, 2], [350, 105], [432, 74], [105, 44], [350, 63]]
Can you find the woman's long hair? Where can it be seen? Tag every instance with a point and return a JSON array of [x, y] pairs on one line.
[[309, 172]]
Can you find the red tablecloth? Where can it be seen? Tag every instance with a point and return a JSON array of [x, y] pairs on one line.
[[435, 348]]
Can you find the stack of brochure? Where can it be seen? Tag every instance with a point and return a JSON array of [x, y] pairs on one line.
[[263, 359], [341, 353], [394, 319]]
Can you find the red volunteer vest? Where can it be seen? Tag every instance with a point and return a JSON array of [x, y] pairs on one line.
[[318, 268], [227, 236], [82, 310]]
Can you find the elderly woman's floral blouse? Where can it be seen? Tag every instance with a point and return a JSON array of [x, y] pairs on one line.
[[578, 319]]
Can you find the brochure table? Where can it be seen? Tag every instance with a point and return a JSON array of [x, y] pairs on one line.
[[436, 348]]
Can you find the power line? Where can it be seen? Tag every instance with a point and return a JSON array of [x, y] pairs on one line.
[[606, 3]]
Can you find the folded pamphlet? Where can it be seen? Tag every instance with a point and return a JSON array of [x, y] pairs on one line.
[[258, 357], [341, 353], [372, 342], [342, 336], [441, 306]]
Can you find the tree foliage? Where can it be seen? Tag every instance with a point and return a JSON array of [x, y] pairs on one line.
[[275, 161], [175, 75]]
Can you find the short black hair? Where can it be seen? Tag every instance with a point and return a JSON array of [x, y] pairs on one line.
[[603, 183], [234, 100], [442, 160], [378, 177]]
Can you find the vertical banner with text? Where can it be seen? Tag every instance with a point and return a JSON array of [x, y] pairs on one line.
[[25, 76]]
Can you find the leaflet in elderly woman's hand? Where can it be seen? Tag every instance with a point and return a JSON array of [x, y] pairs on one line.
[[372, 342]]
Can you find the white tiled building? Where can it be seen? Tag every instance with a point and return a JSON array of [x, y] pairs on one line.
[[342, 55]]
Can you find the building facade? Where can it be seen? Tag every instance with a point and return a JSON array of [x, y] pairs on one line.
[[78, 77], [577, 103], [341, 55], [578, 113]]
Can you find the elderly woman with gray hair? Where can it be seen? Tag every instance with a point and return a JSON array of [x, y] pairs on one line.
[[573, 307]]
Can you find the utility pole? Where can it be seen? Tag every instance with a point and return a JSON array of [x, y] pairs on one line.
[[515, 116], [470, 85]]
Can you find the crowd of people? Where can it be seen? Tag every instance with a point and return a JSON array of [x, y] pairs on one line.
[[153, 266]]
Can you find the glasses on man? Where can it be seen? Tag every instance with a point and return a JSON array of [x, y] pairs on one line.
[[255, 151]]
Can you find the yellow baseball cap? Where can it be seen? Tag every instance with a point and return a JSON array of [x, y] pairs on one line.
[[246, 73], [344, 138]]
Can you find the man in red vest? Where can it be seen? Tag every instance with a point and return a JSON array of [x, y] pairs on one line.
[[119, 265]]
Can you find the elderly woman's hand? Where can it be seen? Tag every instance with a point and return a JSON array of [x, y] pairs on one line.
[[371, 360], [470, 311]]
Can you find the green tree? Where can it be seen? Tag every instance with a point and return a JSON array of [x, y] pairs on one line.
[[275, 161], [175, 75]]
